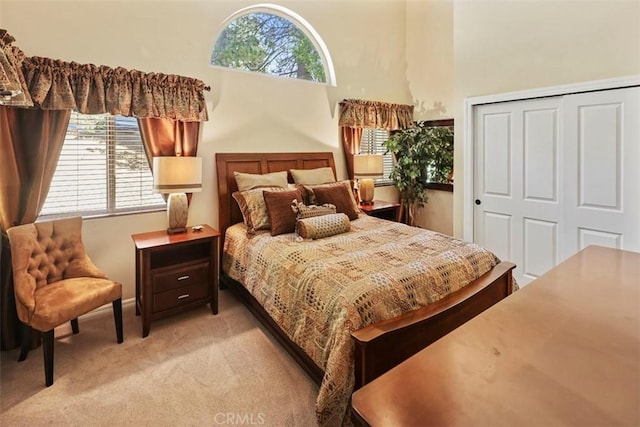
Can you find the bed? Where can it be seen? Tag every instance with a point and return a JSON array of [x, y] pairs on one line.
[[376, 341]]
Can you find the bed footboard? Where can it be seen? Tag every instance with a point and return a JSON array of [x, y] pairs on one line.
[[382, 346]]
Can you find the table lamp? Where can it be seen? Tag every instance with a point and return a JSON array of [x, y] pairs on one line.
[[176, 176], [367, 167]]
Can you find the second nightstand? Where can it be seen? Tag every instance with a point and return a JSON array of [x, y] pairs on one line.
[[380, 209], [175, 272]]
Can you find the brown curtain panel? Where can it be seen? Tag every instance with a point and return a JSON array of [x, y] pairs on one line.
[[166, 137], [351, 138], [30, 144]]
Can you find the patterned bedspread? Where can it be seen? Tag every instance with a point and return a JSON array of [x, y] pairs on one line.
[[320, 291]]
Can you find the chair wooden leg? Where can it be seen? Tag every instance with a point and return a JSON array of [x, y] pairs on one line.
[[117, 316], [75, 327], [26, 334], [47, 351]]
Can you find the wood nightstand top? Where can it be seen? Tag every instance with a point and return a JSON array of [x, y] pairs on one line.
[[160, 238], [379, 205]]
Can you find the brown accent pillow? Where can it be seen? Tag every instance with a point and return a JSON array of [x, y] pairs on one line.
[[310, 197], [281, 216], [338, 195]]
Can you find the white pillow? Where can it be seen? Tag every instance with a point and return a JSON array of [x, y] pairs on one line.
[[247, 181]]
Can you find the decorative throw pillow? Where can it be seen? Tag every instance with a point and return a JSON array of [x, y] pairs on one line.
[[318, 227], [281, 216], [303, 211], [309, 195], [247, 181], [313, 176], [339, 196], [253, 208]]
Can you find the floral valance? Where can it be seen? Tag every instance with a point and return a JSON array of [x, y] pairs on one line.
[[357, 113], [58, 85], [91, 89]]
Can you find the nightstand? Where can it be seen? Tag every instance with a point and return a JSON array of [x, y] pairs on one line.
[[175, 272], [380, 209]]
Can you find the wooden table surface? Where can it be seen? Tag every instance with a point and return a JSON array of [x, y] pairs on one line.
[[563, 350], [378, 205], [154, 239]]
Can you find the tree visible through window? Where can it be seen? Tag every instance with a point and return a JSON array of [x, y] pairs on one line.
[[266, 43]]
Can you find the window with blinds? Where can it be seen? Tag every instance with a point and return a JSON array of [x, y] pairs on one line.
[[372, 142], [102, 169]]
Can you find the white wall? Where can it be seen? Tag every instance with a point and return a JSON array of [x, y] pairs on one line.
[[504, 46], [430, 58], [430, 75], [437, 214], [246, 112]]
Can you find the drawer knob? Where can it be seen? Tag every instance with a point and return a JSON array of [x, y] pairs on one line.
[[183, 296], [183, 277]]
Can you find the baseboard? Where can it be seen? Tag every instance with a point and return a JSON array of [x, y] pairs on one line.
[[107, 309]]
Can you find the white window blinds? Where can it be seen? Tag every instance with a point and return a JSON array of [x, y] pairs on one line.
[[372, 142], [102, 169]]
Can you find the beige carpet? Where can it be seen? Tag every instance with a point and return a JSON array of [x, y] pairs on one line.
[[194, 369]]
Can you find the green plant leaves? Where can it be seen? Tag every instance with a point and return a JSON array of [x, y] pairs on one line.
[[423, 154]]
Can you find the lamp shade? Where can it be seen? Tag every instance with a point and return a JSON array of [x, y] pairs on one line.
[[368, 166], [177, 174]]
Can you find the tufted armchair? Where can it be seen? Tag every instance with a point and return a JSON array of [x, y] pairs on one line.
[[55, 282]]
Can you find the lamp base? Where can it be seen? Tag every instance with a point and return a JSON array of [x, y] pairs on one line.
[[176, 230], [367, 189], [177, 213]]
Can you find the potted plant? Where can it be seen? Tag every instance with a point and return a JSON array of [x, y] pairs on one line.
[[423, 153]]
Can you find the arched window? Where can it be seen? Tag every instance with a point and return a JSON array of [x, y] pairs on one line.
[[273, 40]]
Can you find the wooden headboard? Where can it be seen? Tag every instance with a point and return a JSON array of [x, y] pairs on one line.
[[258, 163]]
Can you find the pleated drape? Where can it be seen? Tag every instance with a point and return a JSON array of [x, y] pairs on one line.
[[30, 144]]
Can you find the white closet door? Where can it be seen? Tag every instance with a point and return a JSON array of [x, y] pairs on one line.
[[518, 208], [554, 175], [602, 202]]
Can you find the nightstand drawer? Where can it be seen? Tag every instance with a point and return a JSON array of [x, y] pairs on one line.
[[176, 297], [180, 277]]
